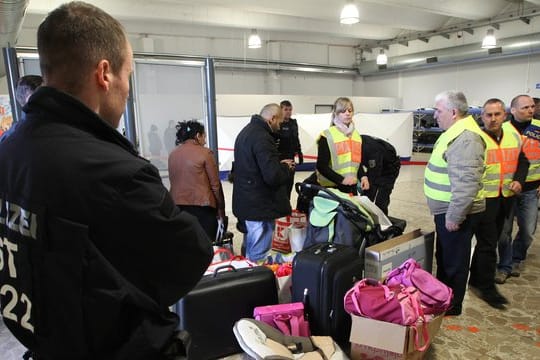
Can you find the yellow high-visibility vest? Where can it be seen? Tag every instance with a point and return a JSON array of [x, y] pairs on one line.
[[345, 154], [531, 148], [501, 162], [436, 179]]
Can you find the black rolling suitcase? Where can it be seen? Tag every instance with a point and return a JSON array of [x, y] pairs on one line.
[[209, 311], [327, 271]]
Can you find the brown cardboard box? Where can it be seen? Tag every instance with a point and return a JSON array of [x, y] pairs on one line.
[[372, 339], [387, 255]]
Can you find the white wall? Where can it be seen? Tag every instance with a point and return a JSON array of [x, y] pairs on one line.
[[503, 78], [247, 104]]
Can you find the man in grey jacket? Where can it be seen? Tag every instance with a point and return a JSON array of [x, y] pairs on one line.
[[453, 187]]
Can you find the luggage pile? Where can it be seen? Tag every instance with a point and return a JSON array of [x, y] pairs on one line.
[[310, 307]]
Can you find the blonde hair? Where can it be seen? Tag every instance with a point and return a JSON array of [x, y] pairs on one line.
[[341, 104]]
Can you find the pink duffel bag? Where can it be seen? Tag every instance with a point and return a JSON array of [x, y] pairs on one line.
[[435, 296]]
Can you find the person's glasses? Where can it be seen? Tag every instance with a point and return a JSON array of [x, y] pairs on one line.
[[346, 110]]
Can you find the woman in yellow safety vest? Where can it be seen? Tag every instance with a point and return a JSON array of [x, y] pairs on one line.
[[339, 151]]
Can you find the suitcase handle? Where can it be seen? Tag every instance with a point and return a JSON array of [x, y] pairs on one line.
[[223, 267]]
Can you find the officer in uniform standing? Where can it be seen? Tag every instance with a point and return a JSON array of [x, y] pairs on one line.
[[288, 140]]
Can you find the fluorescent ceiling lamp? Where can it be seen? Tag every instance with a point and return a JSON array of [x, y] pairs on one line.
[[382, 59], [349, 14], [254, 41], [489, 41]]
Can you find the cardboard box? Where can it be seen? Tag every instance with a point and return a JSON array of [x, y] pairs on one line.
[[372, 339], [383, 257]]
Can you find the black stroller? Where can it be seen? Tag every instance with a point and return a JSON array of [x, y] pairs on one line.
[[334, 217]]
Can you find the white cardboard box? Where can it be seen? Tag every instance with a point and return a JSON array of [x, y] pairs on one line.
[[387, 255], [374, 339]]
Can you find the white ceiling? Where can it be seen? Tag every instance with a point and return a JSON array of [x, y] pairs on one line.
[[311, 20]]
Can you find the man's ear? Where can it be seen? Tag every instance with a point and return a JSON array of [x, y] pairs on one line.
[[103, 74]]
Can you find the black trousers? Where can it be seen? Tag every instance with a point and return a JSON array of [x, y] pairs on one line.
[[207, 217], [453, 251], [487, 227]]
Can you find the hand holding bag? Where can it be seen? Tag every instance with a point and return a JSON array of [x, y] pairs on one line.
[[288, 318]]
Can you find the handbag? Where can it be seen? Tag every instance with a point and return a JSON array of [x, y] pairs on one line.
[[435, 296], [288, 318], [398, 304], [224, 257]]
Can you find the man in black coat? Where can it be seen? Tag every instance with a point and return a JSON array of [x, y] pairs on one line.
[[260, 179], [94, 250]]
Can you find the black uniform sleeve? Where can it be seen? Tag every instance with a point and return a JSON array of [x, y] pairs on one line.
[[323, 162], [164, 251], [522, 168], [298, 146]]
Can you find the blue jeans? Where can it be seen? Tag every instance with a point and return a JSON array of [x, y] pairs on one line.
[[258, 239], [505, 238], [527, 216]]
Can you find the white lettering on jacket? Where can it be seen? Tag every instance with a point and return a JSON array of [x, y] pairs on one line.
[[18, 219]]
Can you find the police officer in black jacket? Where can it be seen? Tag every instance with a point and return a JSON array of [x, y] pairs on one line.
[[383, 165], [288, 140], [93, 250]]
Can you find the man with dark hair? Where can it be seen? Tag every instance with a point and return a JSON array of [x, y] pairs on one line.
[[506, 169], [26, 86], [288, 140], [260, 180], [95, 250], [512, 254], [536, 114]]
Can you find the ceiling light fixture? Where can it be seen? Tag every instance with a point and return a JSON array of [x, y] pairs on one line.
[[349, 14], [382, 59], [489, 41], [254, 41]]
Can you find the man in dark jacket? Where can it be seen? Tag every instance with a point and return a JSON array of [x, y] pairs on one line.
[[383, 170], [288, 141], [93, 249], [260, 178]]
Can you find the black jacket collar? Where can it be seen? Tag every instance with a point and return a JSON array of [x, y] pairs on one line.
[[69, 110]]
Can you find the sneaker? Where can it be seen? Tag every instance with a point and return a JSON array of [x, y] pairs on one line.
[[516, 270], [501, 276]]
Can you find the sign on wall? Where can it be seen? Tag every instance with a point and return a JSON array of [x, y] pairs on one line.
[[6, 118]]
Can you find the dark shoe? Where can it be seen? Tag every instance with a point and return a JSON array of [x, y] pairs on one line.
[[455, 310], [497, 296], [491, 296], [516, 270], [501, 276]]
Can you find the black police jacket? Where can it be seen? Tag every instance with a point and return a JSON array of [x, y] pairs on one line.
[[93, 249], [288, 141]]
